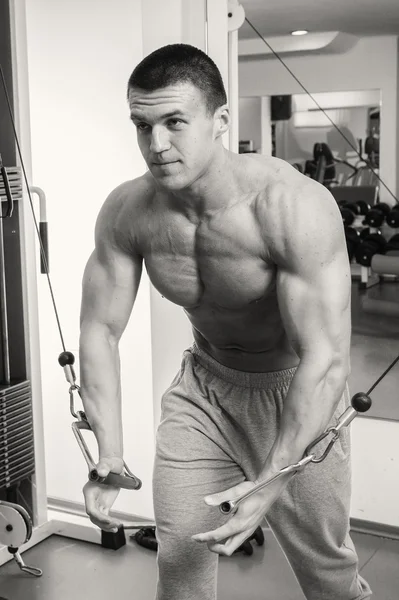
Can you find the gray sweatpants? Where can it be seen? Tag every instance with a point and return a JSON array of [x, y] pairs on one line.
[[217, 428]]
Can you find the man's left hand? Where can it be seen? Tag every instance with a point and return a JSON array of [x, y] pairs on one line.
[[250, 513]]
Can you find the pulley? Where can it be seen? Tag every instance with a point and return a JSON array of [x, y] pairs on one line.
[[16, 530]]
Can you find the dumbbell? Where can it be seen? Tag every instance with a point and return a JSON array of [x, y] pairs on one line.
[[246, 546], [352, 237], [392, 247], [377, 215], [374, 243], [146, 537], [366, 232], [392, 218], [350, 210], [364, 207]]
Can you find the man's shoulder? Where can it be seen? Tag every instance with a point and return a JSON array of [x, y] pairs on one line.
[[285, 191], [131, 195], [269, 177], [120, 215], [291, 208]]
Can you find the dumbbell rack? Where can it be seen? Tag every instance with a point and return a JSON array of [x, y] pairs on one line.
[[367, 278], [365, 274], [376, 238]]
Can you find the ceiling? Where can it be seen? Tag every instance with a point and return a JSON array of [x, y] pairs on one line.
[[359, 17]]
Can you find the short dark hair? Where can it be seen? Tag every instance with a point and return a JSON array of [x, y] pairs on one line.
[[180, 63]]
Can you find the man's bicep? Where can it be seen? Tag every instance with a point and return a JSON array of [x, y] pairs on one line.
[[110, 285], [308, 247], [315, 308]]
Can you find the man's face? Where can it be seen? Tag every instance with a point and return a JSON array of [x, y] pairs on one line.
[[175, 133]]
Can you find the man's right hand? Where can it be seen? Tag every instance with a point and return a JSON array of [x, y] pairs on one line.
[[99, 497]]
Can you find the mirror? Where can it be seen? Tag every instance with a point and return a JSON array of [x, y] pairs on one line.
[[288, 127], [355, 113]]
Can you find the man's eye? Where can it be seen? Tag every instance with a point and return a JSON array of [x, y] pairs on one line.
[[175, 122], [142, 126]]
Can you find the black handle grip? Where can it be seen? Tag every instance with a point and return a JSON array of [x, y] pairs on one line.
[[44, 264], [122, 481]]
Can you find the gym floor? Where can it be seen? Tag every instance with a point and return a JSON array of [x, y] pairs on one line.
[[79, 571], [75, 570]]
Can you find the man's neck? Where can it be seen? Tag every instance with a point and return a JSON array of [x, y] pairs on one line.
[[214, 190]]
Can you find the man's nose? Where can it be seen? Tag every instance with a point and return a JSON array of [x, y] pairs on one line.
[[159, 140]]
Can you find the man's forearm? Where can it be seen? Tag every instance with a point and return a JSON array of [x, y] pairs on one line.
[[100, 389], [308, 408]]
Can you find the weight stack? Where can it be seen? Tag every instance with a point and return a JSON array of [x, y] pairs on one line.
[[17, 456]]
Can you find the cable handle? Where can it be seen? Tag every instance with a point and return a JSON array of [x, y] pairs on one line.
[[360, 403], [231, 506], [126, 481]]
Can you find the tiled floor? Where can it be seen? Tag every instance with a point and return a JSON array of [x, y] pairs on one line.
[[79, 571]]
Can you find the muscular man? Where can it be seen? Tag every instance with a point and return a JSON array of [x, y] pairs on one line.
[[255, 254]]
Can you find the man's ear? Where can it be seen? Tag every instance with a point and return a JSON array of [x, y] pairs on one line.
[[222, 120]]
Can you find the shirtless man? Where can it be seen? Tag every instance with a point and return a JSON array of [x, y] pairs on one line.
[[255, 254]]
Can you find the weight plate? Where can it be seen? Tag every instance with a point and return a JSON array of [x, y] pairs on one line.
[[351, 234], [374, 218], [12, 518], [383, 207], [348, 216], [363, 207], [376, 238], [393, 218]]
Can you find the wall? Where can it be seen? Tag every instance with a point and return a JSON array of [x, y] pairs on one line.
[[171, 335], [80, 55], [250, 121], [371, 64], [375, 470]]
